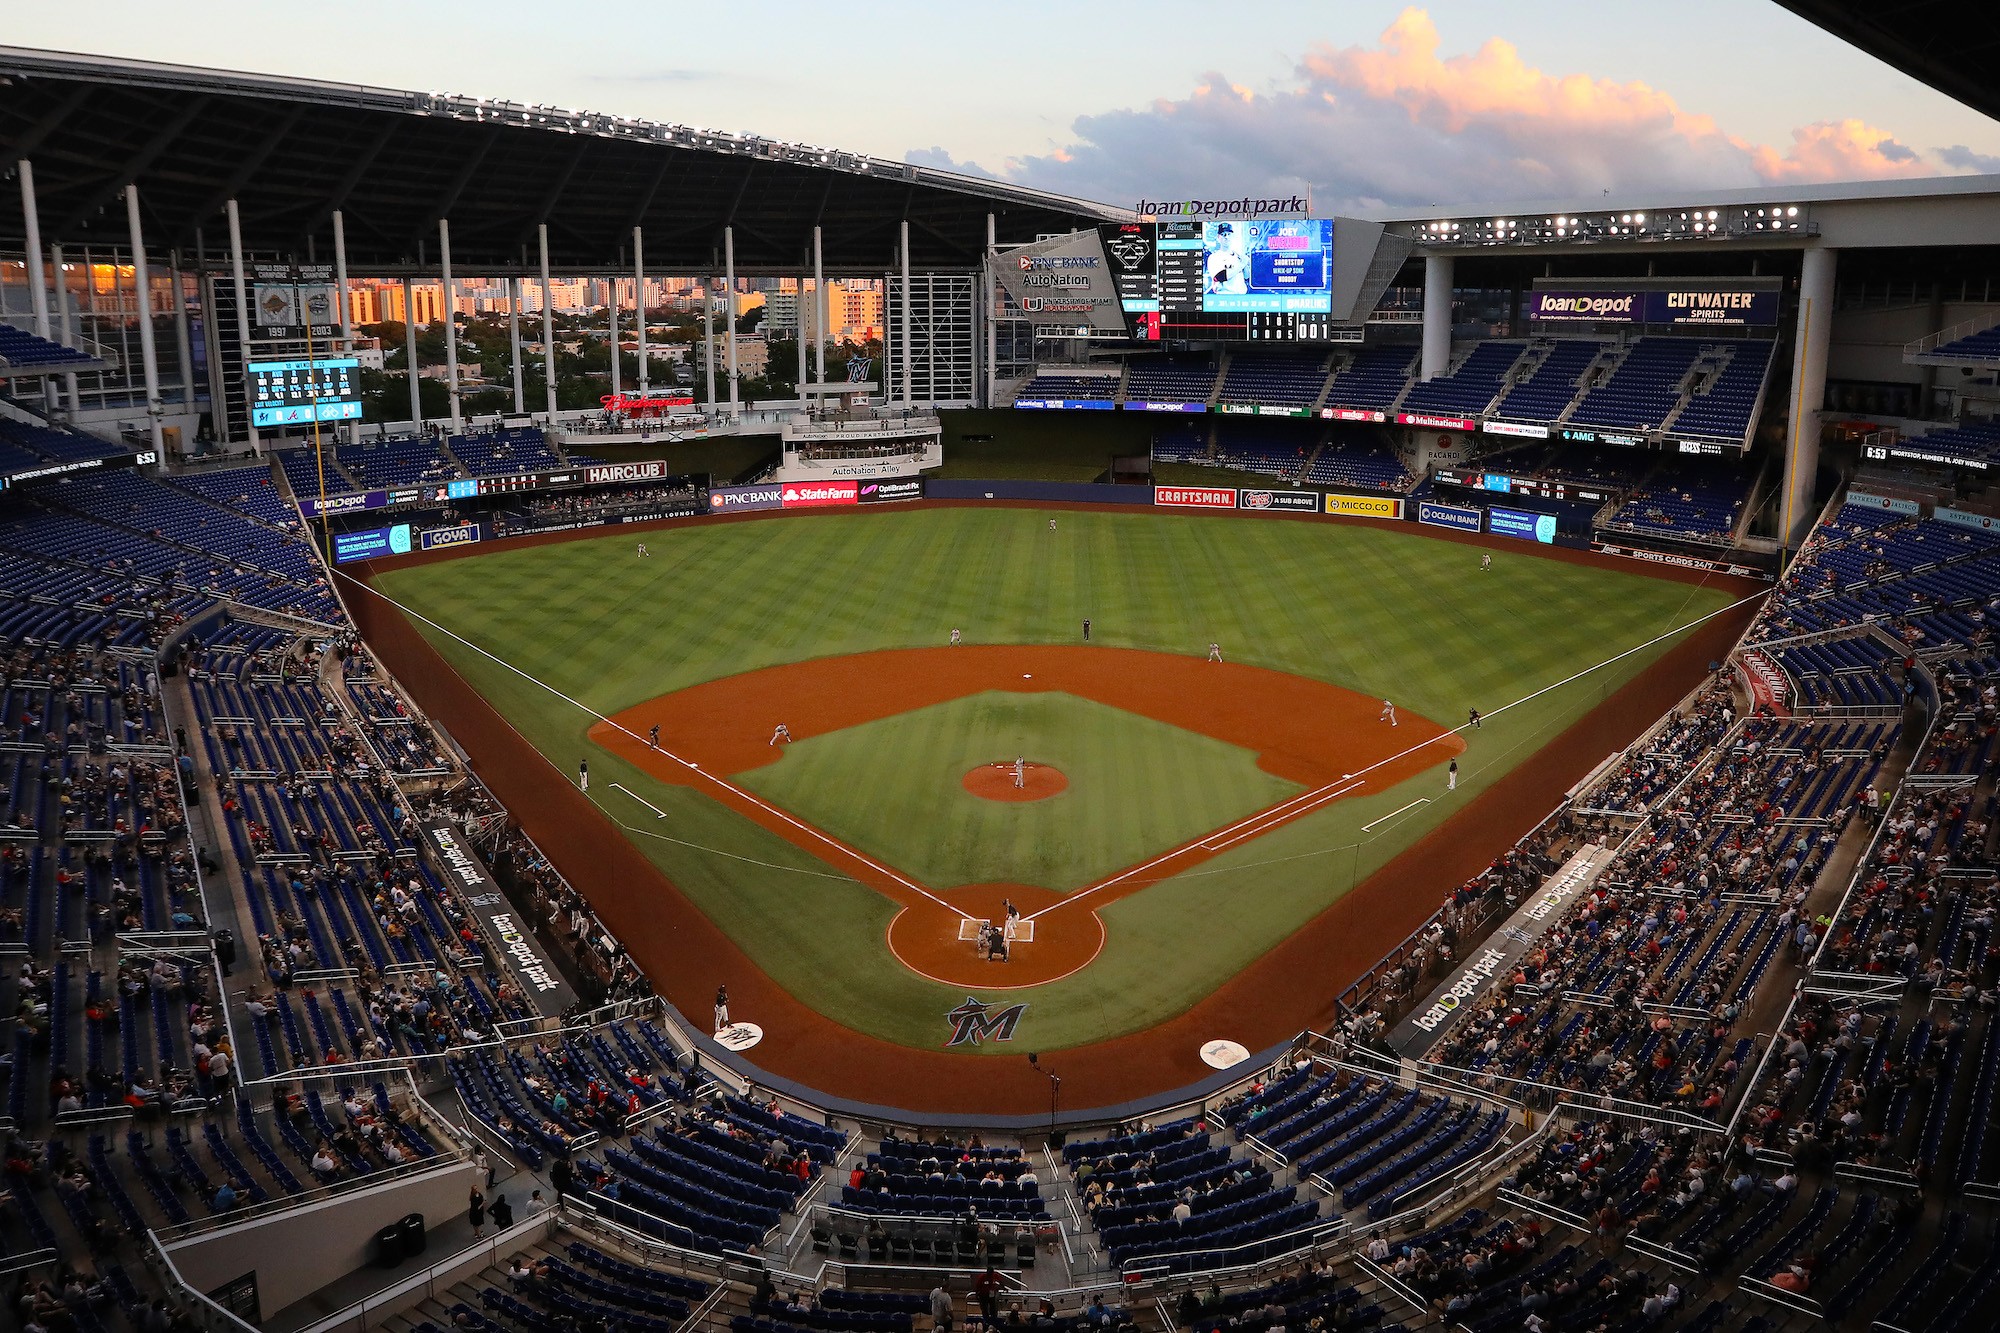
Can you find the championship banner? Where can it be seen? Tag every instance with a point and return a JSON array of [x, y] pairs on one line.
[[1306, 502], [1195, 497], [1484, 969], [509, 932], [1365, 506], [1063, 281]]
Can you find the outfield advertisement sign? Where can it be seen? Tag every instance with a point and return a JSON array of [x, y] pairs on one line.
[[1523, 429], [890, 489], [1261, 410], [742, 499], [1306, 502], [1353, 414], [1456, 517], [1067, 404], [1428, 421], [820, 494], [1195, 497], [1365, 506], [1165, 407], [1679, 561], [1522, 524], [369, 543], [1578, 435], [313, 507], [459, 534]]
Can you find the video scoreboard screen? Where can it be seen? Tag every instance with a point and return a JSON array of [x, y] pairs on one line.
[[292, 393], [1256, 279]]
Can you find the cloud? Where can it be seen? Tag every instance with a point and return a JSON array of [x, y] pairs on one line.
[[658, 76], [943, 161], [1960, 158], [1402, 124]]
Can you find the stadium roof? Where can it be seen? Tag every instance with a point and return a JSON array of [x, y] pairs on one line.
[[292, 151], [1952, 45]]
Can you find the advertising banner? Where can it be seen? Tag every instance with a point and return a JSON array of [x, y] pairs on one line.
[[1592, 306], [1521, 523], [741, 499], [1958, 518], [1578, 435], [1195, 497], [312, 507], [1365, 506], [1680, 561], [1352, 414], [1063, 281], [1067, 404], [1262, 410], [461, 534], [1526, 430], [1434, 423], [609, 472], [1290, 501], [1456, 517], [371, 542], [890, 489], [1695, 305], [1283, 206], [1165, 407], [509, 933], [819, 494]]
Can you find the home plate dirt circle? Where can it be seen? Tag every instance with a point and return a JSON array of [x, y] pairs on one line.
[[925, 937], [995, 782]]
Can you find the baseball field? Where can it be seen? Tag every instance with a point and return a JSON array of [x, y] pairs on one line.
[[1175, 820]]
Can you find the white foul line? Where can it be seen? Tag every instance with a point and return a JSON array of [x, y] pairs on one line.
[[1370, 826]]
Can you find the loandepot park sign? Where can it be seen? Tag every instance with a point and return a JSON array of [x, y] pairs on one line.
[[1063, 283], [1284, 206]]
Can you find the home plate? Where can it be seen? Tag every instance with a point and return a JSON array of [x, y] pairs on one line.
[[1027, 676], [1224, 1054]]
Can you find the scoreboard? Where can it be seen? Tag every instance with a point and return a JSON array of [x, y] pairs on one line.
[[1476, 480], [1250, 280], [291, 393]]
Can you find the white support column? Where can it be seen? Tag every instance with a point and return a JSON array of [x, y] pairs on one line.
[[639, 305], [708, 336], [611, 312], [548, 324], [1815, 329], [242, 315], [64, 322], [985, 303], [38, 291], [903, 252], [450, 323], [1437, 316], [410, 355], [346, 302], [514, 342], [142, 305], [729, 312], [822, 308]]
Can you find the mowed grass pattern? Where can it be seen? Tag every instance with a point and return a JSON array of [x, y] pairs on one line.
[[1137, 787], [1391, 614]]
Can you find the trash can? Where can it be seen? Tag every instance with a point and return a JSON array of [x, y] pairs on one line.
[[389, 1246], [412, 1229]]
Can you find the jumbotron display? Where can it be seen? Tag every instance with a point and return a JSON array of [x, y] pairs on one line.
[[1256, 278], [293, 393]]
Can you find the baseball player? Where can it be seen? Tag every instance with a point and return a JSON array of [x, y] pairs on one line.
[[1472, 718], [653, 735], [1388, 713], [1215, 652], [721, 1009], [1020, 774], [1086, 629], [954, 637], [583, 774], [1486, 560], [782, 734], [1451, 777], [642, 548], [1052, 525]]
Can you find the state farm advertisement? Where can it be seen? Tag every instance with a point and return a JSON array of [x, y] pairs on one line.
[[1195, 497], [820, 494]]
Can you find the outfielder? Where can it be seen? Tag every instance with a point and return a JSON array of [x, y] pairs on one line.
[[783, 733], [1388, 713], [642, 548], [1215, 652], [1486, 560], [954, 637]]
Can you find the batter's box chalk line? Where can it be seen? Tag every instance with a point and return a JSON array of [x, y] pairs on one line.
[[970, 926]]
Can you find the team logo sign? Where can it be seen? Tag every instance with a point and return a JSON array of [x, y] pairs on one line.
[[975, 1020], [739, 1036]]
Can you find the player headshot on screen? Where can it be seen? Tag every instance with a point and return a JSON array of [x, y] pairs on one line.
[[1228, 263]]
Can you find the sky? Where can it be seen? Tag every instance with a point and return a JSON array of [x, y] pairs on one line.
[[1374, 106]]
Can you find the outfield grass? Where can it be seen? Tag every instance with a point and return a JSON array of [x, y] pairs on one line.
[[1385, 613], [1136, 787]]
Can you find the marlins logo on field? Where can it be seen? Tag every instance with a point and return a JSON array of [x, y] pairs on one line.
[[975, 1019]]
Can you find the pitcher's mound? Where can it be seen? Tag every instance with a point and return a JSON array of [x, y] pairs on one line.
[[995, 782]]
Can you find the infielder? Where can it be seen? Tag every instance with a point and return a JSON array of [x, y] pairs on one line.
[[1086, 629], [653, 735], [583, 774], [1451, 777], [1388, 713], [1215, 652], [1472, 718], [783, 733], [1020, 774]]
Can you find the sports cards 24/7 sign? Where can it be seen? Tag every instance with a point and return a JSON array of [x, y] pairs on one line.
[[1195, 497]]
